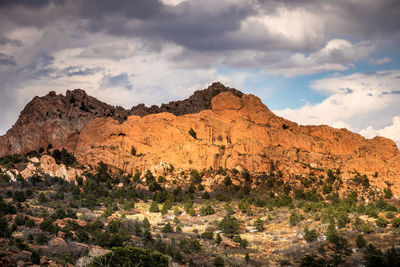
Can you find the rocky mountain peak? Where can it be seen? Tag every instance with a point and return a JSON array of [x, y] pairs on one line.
[[233, 130], [54, 117]]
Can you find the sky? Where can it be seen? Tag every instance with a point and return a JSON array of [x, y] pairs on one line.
[[313, 62]]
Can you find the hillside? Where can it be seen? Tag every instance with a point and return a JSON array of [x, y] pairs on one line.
[[218, 180], [233, 130], [236, 133]]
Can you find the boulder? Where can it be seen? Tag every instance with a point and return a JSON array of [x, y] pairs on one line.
[[11, 175]]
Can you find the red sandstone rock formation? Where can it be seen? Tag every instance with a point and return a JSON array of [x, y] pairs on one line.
[[57, 119], [233, 131]]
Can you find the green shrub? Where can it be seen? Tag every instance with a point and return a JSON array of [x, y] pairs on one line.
[[311, 260], [154, 207], [207, 235], [388, 193], [161, 179], [205, 195], [188, 205], [133, 151], [243, 205], [381, 222], [229, 225], [246, 176], [206, 210], [167, 228], [30, 223], [64, 157], [189, 246], [229, 209], [193, 133], [35, 257], [389, 215], [218, 239], [331, 233], [177, 211], [131, 256], [223, 198], [310, 235], [240, 240], [20, 219], [219, 262], [192, 211], [340, 249], [396, 222], [42, 239], [167, 205], [227, 181], [360, 241], [327, 188], [342, 219], [19, 196], [114, 226], [48, 226], [5, 230], [366, 228], [295, 218], [361, 180], [259, 225]]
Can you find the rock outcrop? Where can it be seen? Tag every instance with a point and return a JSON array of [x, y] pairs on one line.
[[47, 165], [233, 130], [57, 119], [238, 132], [53, 119]]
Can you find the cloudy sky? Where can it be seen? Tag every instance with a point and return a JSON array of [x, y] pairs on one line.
[[315, 62]]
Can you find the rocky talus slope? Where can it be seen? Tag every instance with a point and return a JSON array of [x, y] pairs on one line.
[[233, 130]]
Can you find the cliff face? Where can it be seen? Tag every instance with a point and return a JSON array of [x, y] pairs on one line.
[[236, 133], [58, 119], [233, 130], [54, 118]]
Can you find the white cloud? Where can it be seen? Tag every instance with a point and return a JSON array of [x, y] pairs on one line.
[[124, 73], [392, 131], [361, 102], [336, 55], [297, 26], [380, 61], [172, 2], [130, 52]]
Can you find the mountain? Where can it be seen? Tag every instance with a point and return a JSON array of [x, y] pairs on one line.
[[229, 130], [53, 119]]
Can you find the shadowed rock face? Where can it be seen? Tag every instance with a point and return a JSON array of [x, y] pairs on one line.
[[57, 119], [54, 118], [200, 100]]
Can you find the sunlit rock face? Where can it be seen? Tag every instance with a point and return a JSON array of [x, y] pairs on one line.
[[232, 130]]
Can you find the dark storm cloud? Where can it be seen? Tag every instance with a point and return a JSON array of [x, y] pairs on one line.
[[28, 3], [7, 60], [137, 9], [197, 25], [79, 71], [214, 25], [5, 41], [356, 19], [395, 92], [192, 24]]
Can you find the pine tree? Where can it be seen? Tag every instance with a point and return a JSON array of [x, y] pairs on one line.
[[154, 207]]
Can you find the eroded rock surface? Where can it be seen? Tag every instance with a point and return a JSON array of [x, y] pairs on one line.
[[57, 119], [233, 130]]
